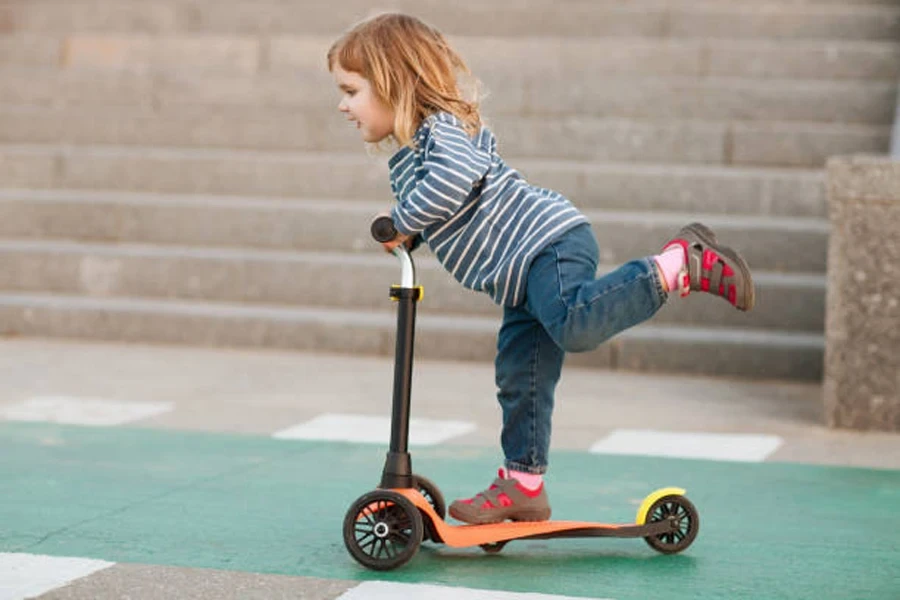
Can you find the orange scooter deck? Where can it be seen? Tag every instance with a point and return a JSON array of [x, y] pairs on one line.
[[476, 535]]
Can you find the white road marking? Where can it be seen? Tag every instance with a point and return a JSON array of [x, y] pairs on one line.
[[373, 430], [385, 590], [711, 446], [72, 410], [29, 575]]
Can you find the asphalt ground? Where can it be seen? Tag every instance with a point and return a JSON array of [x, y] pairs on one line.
[[135, 471]]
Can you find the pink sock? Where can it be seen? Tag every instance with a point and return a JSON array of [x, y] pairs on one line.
[[671, 262], [529, 480]]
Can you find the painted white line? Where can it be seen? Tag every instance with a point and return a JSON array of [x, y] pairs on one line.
[[373, 430], [737, 447], [29, 575], [72, 410], [385, 590]]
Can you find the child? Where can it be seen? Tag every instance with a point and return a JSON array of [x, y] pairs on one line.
[[529, 248]]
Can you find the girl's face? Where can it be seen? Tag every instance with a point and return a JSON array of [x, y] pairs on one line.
[[373, 118]]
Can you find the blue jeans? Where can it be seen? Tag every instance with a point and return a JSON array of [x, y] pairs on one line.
[[566, 309]]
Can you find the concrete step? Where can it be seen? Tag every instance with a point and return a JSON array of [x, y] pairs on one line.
[[775, 244], [509, 93], [687, 350], [793, 302], [610, 186], [746, 143], [489, 57], [699, 18]]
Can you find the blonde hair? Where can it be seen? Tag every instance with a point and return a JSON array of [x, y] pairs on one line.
[[411, 68]]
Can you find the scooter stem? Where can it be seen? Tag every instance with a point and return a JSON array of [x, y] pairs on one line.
[[397, 471], [408, 269]]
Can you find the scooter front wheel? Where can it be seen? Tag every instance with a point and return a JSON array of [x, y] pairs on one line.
[[383, 530], [684, 517]]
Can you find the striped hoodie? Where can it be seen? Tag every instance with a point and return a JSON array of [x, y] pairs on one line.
[[481, 219]]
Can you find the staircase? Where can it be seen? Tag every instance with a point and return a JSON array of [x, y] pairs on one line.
[[176, 171]]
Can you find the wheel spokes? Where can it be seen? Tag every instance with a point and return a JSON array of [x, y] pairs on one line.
[[682, 519], [396, 539]]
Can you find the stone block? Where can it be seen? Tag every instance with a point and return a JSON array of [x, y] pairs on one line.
[[220, 127], [66, 16], [668, 188], [29, 51], [189, 263], [786, 21], [798, 194], [723, 352], [580, 57], [160, 321], [202, 54], [862, 327], [825, 59], [802, 144], [288, 54], [226, 173], [24, 168], [695, 189], [781, 245], [303, 90], [871, 102], [614, 140], [51, 87], [276, 17]]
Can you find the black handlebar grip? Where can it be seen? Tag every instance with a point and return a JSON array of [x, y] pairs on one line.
[[383, 229]]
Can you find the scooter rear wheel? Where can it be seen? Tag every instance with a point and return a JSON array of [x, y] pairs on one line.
[[433, 495], [383, 530], [431, 492], [687, 523], [493, 548]]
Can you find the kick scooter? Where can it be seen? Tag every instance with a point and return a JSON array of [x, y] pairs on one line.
[[384, 528]]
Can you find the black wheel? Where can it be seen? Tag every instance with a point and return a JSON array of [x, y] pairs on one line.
[[683, 513], [431, 492], [493, 548], [383, 530]]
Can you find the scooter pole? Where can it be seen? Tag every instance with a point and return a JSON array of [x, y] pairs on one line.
[[397, 472]]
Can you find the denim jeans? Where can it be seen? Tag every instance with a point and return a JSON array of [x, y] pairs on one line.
[[567, 309]]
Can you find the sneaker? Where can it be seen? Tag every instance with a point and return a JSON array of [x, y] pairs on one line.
[[505, 499], [713, 267]]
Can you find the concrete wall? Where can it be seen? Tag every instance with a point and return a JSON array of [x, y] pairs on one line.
[[862, 326], [895, 138]]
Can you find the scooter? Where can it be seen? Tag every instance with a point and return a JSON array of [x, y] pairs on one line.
[[384, 528]]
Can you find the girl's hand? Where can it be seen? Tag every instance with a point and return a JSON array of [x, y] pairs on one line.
[[400, 239]]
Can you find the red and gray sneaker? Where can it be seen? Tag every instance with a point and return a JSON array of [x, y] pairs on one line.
[[713, 267], [505, 499]]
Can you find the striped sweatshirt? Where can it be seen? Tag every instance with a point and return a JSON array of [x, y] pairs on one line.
[[481, 218]]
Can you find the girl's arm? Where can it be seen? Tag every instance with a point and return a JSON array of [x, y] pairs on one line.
[[453, 165]]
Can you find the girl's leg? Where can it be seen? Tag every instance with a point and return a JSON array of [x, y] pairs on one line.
[[580, 310], [528, 367]]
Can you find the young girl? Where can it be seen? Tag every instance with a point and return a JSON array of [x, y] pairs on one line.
[[529, 248]]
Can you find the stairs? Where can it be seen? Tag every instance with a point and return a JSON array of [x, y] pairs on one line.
[[176, 171]]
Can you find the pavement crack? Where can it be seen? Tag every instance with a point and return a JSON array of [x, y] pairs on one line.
[[122, 509]]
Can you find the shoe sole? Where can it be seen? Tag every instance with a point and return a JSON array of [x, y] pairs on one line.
[[528, 516], [706, 235]]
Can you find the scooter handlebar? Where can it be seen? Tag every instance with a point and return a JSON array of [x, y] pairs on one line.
[[383, 229]]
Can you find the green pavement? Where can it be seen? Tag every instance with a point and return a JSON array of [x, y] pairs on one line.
[[256, 504]]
